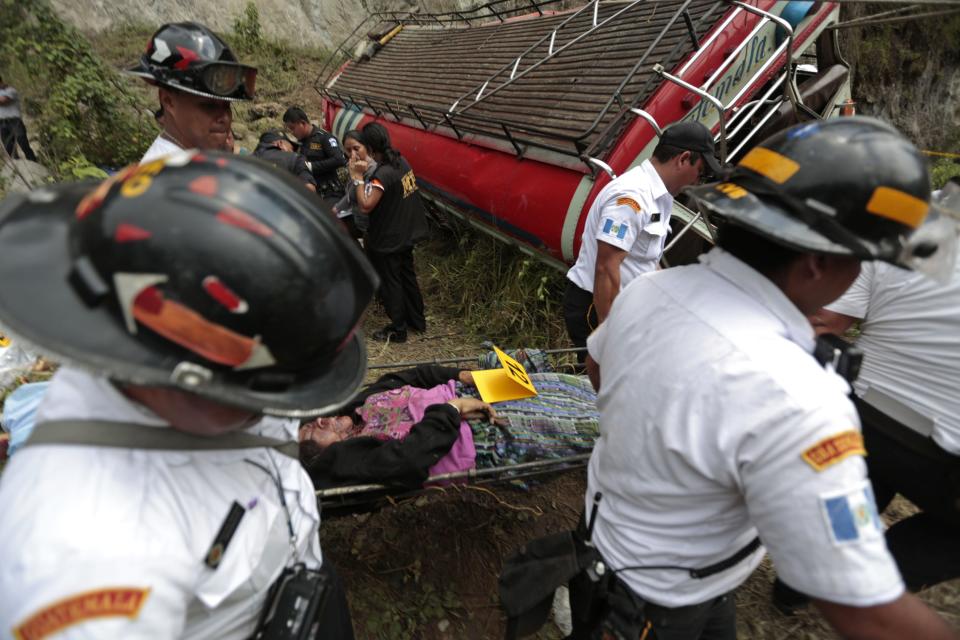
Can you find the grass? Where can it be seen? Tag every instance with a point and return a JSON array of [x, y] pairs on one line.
[[494, 290]]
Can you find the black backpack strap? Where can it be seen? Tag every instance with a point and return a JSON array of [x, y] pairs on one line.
[[130, 435]]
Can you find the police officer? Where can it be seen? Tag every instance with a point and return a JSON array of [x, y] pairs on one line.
[[199, 304], [718, 426], [198, 77], [274, 147], [627, 225], [321, 150]]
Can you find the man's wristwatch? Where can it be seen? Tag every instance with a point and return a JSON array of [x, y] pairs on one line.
[[357, 183]]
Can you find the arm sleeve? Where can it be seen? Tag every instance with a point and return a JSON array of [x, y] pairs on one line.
[[856, 300], [303, 172], [806, 489], [620, 222], [333, 156], [399, 464], [143, 601]]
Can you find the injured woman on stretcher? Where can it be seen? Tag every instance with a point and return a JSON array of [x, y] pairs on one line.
[[402, 429]]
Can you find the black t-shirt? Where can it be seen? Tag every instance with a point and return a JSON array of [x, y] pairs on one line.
[[324, 154], [398, 221]]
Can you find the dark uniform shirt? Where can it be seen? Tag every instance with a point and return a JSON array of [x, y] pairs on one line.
[[325, 156], [286, 160], [399, 220]]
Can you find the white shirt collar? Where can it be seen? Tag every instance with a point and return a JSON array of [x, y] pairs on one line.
[[796, 326], [657, 188]]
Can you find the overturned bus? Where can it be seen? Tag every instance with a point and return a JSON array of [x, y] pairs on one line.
[[514, 114]]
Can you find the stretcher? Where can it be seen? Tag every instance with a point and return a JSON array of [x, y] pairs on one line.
[[353, 498]]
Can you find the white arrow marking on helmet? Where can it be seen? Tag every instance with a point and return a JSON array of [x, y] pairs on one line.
[[161, 51], [129, 286], [259, 357]]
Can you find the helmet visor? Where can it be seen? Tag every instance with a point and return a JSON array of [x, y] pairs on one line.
[[226, 80]]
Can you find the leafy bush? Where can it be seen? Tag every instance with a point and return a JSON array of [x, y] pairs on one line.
[[86, 117], [942, 170], [246, 28]]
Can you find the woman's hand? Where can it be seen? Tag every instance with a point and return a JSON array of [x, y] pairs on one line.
[[471, 408], [357, 168], [466, 377]]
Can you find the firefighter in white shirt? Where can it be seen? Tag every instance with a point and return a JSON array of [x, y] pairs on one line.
[[197, 78], [909, 404], [719, 427], [627, 225], [187, 297]]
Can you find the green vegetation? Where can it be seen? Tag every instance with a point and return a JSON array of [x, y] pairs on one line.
[[904, 73], [942, 170], [494, 290], [84, 116]]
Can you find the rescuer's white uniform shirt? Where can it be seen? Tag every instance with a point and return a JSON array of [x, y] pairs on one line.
[[911, 342], [102, 542], [631, 213], [160, 147], [716, 425]]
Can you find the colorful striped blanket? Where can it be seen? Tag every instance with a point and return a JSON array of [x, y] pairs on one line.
[[561, 420]]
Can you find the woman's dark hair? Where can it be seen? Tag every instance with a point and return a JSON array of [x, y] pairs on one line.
[[766, 256], [355, 134], [377, 140]]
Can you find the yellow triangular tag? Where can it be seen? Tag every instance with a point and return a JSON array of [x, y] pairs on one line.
[[509, 383]]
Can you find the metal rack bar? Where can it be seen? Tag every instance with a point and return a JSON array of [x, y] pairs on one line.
[[706, 96], [649, 118], [596, 162], [551, 52]]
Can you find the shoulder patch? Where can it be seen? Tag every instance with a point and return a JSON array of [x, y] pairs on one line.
[[409, 183], [852, 516], [332, 142], [100, 603], [834, 449], [629, 202], [613, 229]]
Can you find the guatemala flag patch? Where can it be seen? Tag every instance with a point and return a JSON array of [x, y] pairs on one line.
[[615, 230], [852, 517]]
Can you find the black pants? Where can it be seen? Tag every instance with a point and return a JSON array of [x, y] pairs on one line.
[[13, 132], [579, 315], [399, 289], [902, 461], [335, 621], [715, 619]]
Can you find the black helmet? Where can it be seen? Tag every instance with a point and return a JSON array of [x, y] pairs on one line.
[[845, 186], [209, 272], [189, 57]]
